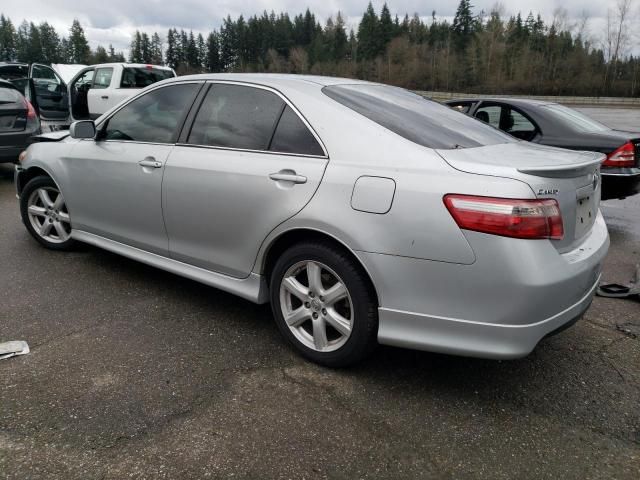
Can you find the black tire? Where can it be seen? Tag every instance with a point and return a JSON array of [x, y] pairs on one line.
[[33, 185], [364, 329]]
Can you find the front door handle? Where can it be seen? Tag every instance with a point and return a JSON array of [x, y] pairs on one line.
[[288, 176], [150, 162], [105, 97]]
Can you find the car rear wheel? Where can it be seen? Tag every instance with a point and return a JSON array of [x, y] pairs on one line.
[[324, 305], [45, 214]]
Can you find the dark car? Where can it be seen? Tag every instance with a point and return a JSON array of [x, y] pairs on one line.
[[18, 122], [43, 87], [555, 125]]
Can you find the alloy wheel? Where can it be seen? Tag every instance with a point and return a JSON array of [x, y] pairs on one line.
[[48, 215], [316, 306]]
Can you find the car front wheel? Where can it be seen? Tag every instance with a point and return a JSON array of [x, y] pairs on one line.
[[324, 305], [45, 214]]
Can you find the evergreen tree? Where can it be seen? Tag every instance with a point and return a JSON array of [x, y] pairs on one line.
[[145, 48], [202, 51], [386, 28], [79, 51], [100, 55], [7, 39], [212, 63], [228, 53], [34, 45], [462, 27], [192, 52], [135, 51], [172, 57], [156, 50], [50, 43], [369, 35]]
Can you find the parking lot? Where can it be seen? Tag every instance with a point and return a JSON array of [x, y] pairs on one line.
[[134, 372]]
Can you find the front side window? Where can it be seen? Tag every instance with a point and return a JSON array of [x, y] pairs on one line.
[[154, 117], [236, 116], [141, 77], [415, 118], [102, 78]]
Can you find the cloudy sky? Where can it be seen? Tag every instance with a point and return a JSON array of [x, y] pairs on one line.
[[113, 21]]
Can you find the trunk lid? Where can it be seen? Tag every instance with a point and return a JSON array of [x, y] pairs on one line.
[[13, 111], [571, 178], [12, 119]]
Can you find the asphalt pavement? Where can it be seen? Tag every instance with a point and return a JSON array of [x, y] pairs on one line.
[[138, 373]]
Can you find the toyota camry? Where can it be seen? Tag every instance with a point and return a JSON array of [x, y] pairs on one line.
[[363, 213]]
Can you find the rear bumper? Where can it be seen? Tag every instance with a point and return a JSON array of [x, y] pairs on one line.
[[516, 293], [474, 339], [620, 182]]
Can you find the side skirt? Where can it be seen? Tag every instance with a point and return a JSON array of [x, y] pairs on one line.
[[252, 288]]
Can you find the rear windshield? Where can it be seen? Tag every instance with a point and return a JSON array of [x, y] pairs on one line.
[[140, 77], [11, 72], [9, 95], [577, 120], [415, 118]]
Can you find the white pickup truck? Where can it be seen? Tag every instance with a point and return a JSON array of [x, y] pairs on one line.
[[95, 89]]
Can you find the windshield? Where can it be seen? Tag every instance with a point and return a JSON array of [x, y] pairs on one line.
[[415, 118], [577, 120], [140, 77]]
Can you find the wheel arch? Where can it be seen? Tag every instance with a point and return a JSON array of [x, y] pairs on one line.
[[285, 240], [28, 174]]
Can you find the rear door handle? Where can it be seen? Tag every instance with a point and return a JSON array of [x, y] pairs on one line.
[[288, 176], [150, 162], [105, 97]]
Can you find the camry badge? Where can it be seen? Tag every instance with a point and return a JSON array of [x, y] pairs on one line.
[[548, 191]]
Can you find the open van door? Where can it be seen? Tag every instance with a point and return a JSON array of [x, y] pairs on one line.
[[77, 93]]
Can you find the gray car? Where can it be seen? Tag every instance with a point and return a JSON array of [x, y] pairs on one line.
[[363, 213]]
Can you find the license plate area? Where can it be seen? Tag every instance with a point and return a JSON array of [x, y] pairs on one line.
[[585, 214], [7, 122]]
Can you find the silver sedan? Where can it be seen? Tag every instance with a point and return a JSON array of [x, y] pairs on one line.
[[363, 213]]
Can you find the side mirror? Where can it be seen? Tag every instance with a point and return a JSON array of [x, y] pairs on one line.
[[83, 129]]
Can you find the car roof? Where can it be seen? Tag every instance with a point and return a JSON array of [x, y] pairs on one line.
[[511, 100], [274, 80]]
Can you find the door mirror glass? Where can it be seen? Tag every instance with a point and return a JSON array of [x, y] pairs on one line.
[[83, 129]]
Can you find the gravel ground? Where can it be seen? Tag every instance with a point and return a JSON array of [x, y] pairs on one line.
[[139, 373]]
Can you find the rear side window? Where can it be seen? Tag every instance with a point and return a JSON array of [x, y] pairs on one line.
[[102, 78], [415, 118], [236, 116], [140, 77], [154, 117], [293, 136]]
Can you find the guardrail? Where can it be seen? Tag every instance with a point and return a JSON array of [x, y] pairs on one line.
[[621, 102]]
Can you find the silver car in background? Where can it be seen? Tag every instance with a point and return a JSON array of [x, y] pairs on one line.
[[364, 213]]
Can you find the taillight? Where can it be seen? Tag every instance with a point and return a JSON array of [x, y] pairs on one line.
[[625, 156], [532, 219], [31, 112]]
